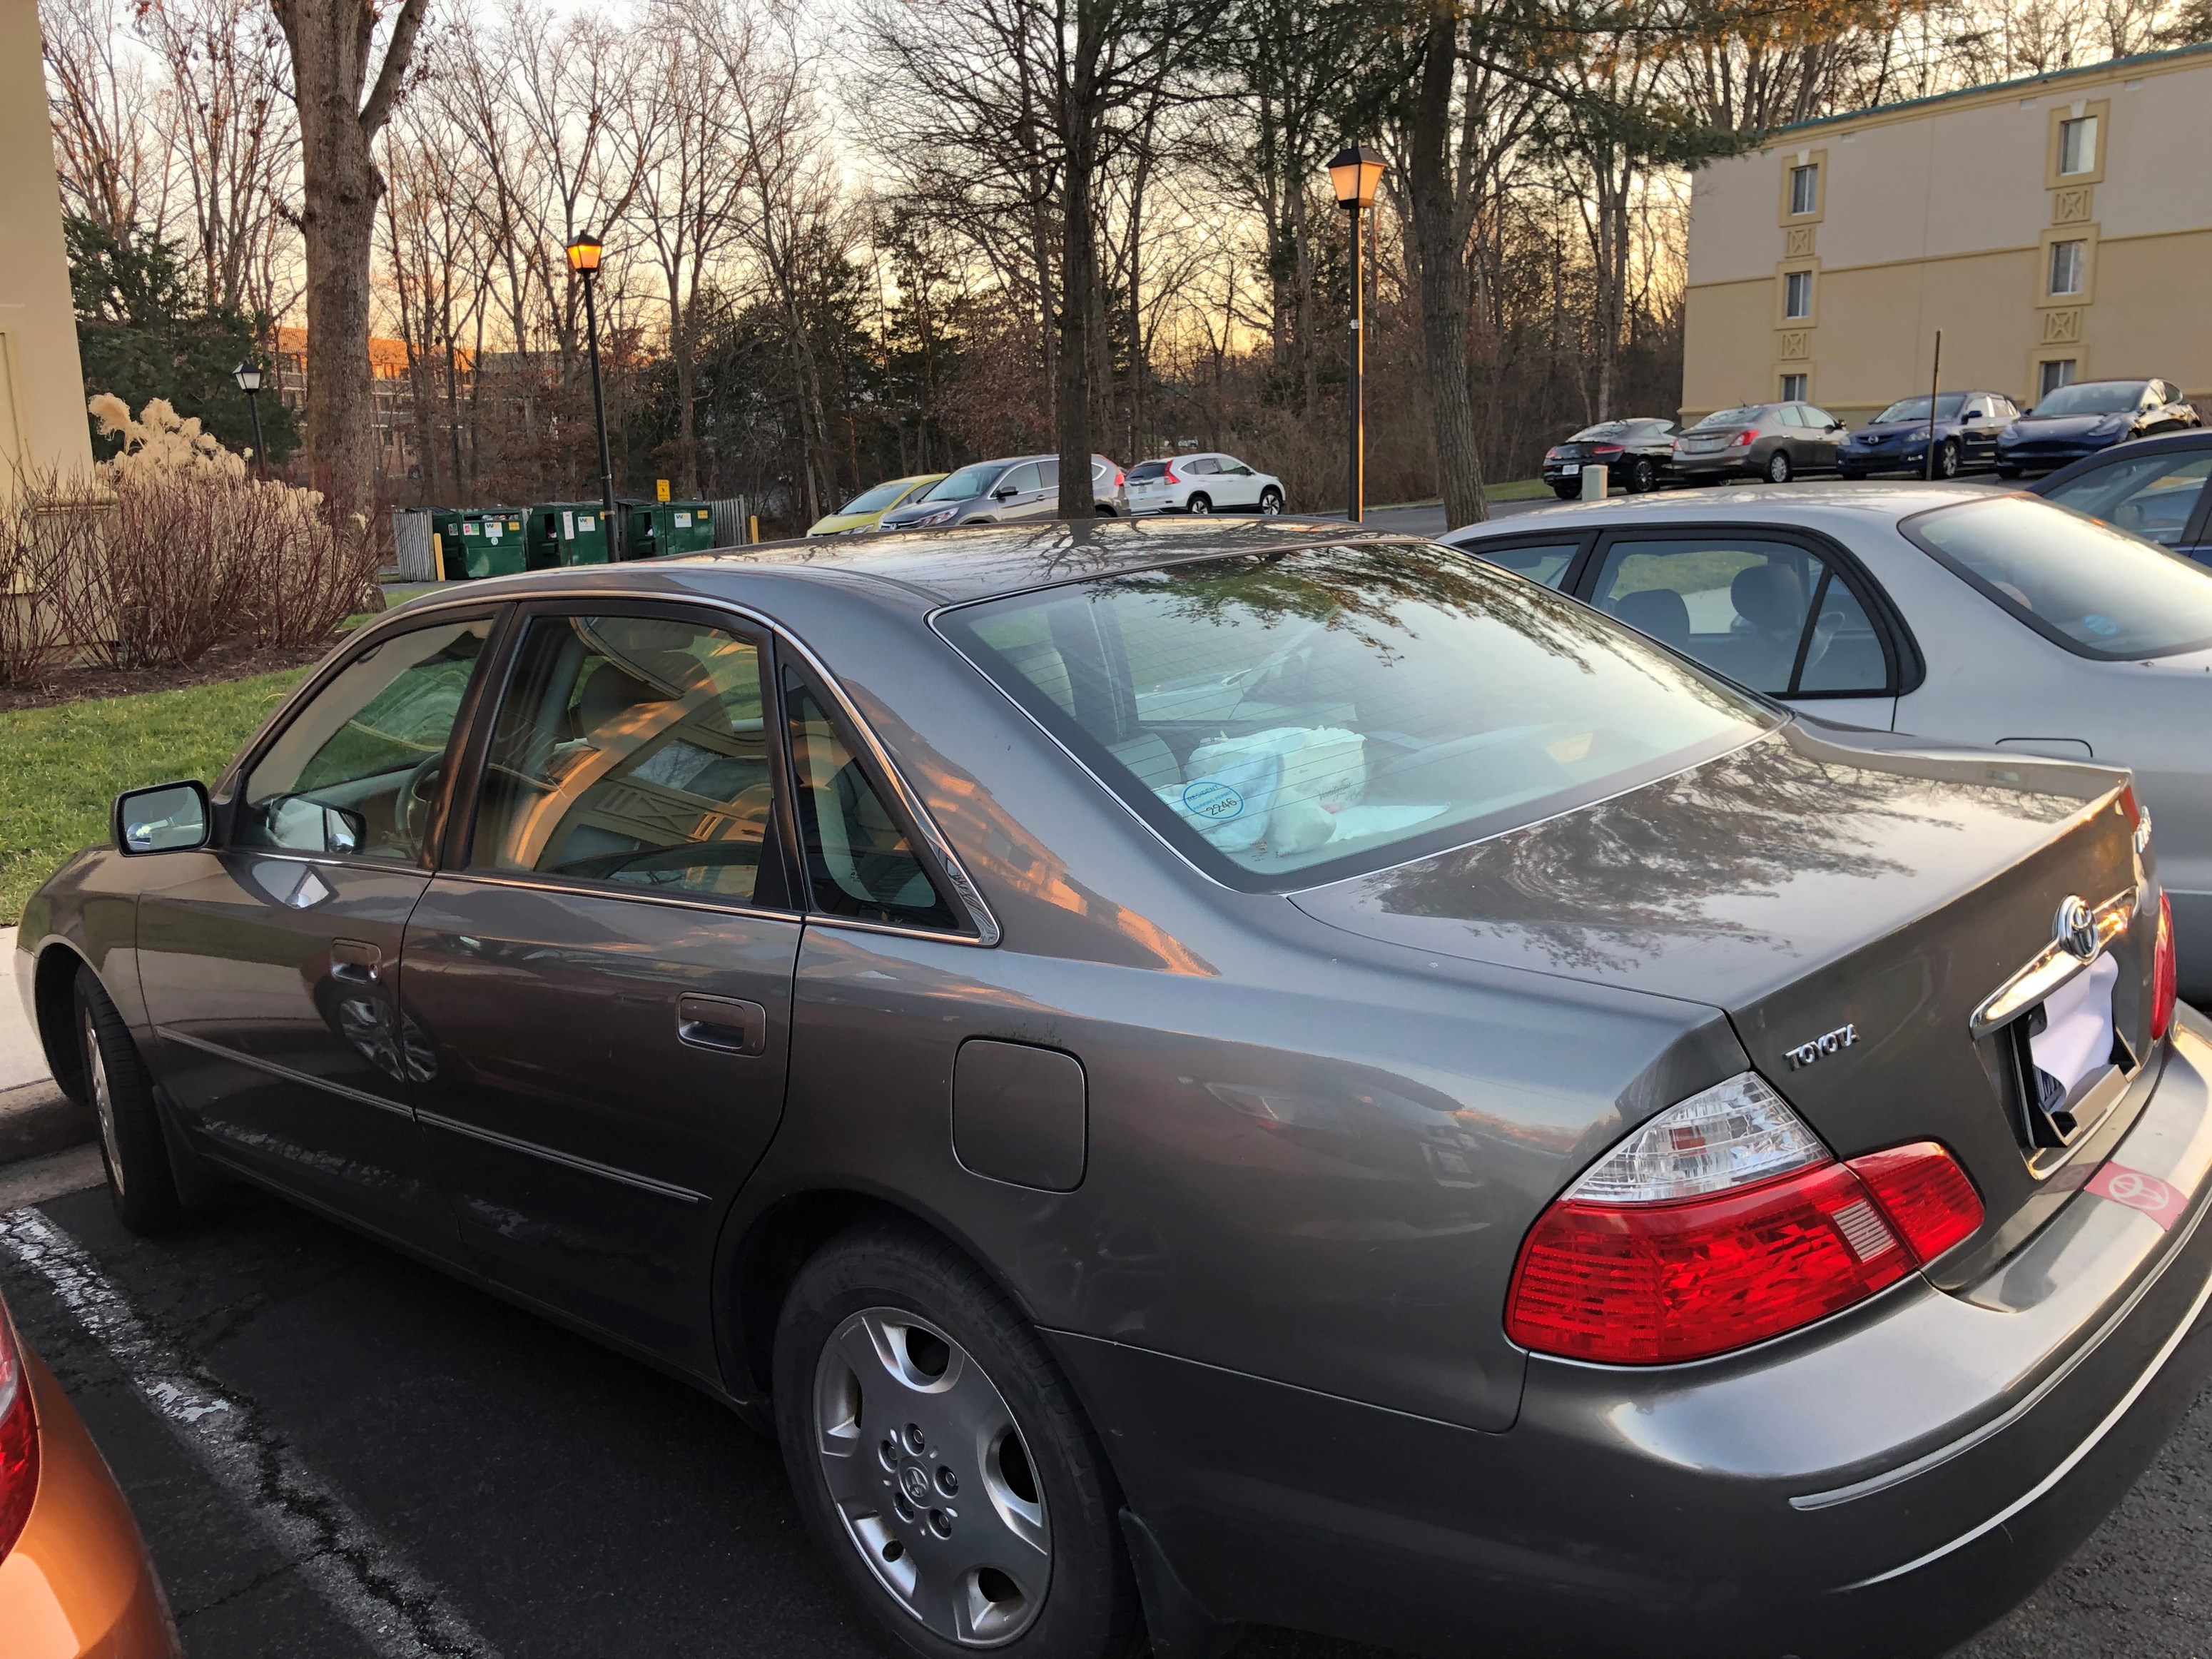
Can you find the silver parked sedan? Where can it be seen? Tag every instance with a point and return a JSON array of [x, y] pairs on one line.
[[1209, 1070], [1950, 612]]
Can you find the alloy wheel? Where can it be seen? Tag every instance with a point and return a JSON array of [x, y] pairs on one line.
[[1645, 478], [1777, 469], [1947, 460], [1198, 504], [1271, 502], [928, 1471], [103, 1100]]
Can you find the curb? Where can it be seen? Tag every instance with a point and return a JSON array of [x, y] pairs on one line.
[[37, 1118]]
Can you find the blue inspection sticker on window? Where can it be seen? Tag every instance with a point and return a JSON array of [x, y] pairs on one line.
[[1212, 800], [2104, 627]]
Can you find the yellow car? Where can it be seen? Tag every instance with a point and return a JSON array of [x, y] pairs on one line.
[[869, 505]]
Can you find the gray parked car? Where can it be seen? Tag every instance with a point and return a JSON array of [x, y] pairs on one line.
[[1209, 1072], [1774, 441], [1004, 492], [1949, 611]]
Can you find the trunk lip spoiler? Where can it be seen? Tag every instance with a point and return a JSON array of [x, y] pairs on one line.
[[2055, 965]]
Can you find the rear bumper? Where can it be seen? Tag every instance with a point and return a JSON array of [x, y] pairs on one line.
[[78, 1581], [1717, 466], [1887, 1482]]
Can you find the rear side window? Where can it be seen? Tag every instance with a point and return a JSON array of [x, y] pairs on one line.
[[860, 860], [2153, 496], [2083, 584], [1768, 614]]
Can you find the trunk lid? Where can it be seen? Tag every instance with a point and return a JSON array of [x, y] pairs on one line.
[[1857, 906]]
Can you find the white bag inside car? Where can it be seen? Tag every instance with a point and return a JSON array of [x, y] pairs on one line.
[[1283, 786]]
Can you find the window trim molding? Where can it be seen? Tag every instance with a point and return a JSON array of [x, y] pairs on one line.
[[2087, 294], [2062, 112], [1791, 160], [1782, 273]]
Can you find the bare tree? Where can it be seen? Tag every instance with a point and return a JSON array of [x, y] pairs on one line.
[[106, 113]]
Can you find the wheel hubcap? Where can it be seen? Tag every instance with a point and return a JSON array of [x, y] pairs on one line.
[[103, 1100], [930, 1477]]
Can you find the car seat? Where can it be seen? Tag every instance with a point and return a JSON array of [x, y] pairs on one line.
[[1659, 611]]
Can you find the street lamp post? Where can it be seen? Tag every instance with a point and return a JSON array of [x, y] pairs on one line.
[[1356, 172], [584, 259], [248, 376]]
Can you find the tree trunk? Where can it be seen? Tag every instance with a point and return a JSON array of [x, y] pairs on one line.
[[1444, 292], [330, 42]]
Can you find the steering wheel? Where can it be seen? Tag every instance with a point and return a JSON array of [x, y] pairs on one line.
[[410, 809]]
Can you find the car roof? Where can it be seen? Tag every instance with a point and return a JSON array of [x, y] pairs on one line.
[[924, 569], [1812, 506]]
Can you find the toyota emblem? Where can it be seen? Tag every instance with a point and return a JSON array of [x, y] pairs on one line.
[[2076, 929]]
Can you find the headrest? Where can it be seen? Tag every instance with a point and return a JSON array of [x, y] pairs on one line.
[[1769, 598], [1658, 611], [609, 695]]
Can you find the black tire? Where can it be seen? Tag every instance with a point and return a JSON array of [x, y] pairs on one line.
[[2005, 470], [1777, 467], [1850, 475], [141, 1181], [1565, 494], [1088, 1607], [1946, 459], [1199, 502], [1643, 477], [1271, 502], [1105, 512]]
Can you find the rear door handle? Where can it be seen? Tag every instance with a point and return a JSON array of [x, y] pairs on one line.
[[356, 959], [728, 1024]]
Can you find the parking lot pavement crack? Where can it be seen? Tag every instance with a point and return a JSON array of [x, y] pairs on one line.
[[358, 1573]]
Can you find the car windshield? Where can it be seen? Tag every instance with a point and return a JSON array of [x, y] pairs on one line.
[[1146, 471], [968, 482], [1292, 718], [1916, 409], [1746, 415], [876, 500], [1603, 429], [2093, 398], [2097, 590]]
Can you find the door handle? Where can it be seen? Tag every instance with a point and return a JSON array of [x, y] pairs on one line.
[[728, 1024], [354, 959]]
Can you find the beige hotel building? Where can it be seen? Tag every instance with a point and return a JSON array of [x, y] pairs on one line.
[[2058, 228]]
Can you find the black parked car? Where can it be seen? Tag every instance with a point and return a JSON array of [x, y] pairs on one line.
[[1967, 427], [1773, 441], [1634, 452], [2089, 415], [2153, 488]]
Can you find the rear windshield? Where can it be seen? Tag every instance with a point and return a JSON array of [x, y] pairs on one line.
[[1293, 718], [2093, 398], [1747, 416], [1146, 471], [1916, 409], [1602, 429], [2097, 590], [967, 482]]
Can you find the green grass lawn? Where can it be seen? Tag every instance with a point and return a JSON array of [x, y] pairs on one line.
[[61, 768], [1520, 489]]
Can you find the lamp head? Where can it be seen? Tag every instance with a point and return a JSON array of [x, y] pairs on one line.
[[584, 255], [1357, 173], [248, 376]]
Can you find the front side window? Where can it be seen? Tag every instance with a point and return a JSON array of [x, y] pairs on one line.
[[2083, 584], [357, 770], [2077, 145], [1804, 188], [1291, 718], [860, 863], [631, 749], [1020, 481], [1797, 294], [1770, 615], [2152, 496], [2070, 267]]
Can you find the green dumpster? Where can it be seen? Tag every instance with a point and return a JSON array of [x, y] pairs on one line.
[[662, 528], [491, 543], [566, 532], [446, 542]]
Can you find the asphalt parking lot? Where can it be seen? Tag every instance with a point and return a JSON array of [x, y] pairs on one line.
[[335, 1452]]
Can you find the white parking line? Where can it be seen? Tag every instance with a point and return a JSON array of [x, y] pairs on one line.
[[360, 1576]]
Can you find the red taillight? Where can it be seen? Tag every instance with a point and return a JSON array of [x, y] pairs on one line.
[[1552, 454], [19, 1442], [2165, 973], [1741, 438], [1925, 1194], [1170, 475], [1642, 1284], [1605, 449], [1120, 477]]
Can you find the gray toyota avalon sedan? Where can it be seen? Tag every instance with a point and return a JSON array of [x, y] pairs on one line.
[[1204, 1072]]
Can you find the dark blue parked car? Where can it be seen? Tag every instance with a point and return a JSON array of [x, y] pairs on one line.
[[2078, 420], [1967, 427]]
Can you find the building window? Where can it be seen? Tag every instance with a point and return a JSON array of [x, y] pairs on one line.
[[1797, 294], [2070, 267], [2077, 145], [1804, 188], [1793, 388], [2057, 372]]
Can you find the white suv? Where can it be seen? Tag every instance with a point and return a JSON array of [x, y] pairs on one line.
[[1206, 482]]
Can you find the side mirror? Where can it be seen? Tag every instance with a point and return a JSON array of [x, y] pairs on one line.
[[169, 818], [1835, 426], [1004, 493]]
